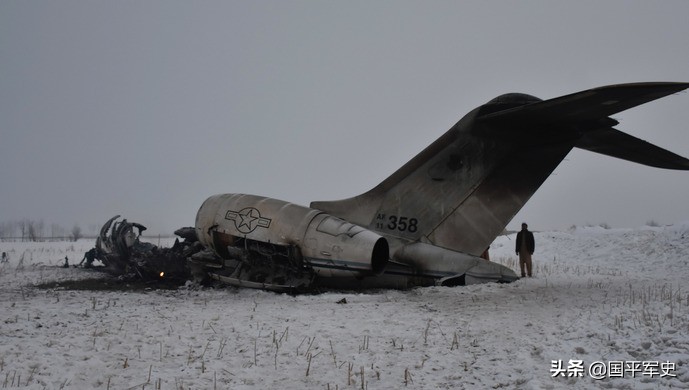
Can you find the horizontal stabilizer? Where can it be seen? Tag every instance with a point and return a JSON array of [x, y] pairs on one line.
[[589, 105], [615, 143]]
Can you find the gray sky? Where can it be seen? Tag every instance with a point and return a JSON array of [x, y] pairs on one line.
[[146, 108]]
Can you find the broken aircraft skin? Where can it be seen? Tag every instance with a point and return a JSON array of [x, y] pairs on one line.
[[122, 253], [427, 223]]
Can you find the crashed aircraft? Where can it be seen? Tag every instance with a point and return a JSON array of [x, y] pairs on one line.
[[426, 224], [122, 253]]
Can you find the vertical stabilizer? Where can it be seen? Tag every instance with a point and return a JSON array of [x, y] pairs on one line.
[[461, 191], [458, 193]]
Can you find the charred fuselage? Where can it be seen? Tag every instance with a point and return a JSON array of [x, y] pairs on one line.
[[123, 254]]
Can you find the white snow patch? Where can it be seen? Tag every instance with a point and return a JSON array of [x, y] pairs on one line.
[[597, 295]]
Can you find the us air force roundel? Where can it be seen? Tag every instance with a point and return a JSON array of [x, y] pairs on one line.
[[247, 220]]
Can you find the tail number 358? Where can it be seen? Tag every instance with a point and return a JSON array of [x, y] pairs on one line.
[[403, 224]]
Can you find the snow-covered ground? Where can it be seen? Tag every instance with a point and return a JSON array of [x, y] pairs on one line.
[[600, 298]]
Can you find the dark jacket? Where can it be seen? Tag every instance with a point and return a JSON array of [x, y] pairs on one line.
[[530, 243]]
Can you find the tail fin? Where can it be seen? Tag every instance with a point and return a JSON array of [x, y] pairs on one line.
[[462, 190], [615, 143]]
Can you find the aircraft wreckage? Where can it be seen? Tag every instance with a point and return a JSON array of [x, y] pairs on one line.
[[426, 224], [122, 253]]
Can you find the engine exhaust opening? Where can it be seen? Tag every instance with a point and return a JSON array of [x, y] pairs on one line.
[[380, 256]]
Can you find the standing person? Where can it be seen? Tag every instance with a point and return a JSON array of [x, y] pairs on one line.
[[525, 246]]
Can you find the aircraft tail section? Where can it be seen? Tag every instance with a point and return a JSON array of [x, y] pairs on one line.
[[615, 143], [461, 191]]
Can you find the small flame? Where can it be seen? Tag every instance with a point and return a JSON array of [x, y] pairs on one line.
[[162, 274]]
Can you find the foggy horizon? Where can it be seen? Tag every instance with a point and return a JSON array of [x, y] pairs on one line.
[[146, 109]]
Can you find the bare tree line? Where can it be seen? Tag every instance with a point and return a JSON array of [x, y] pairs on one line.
[[36, 230]]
